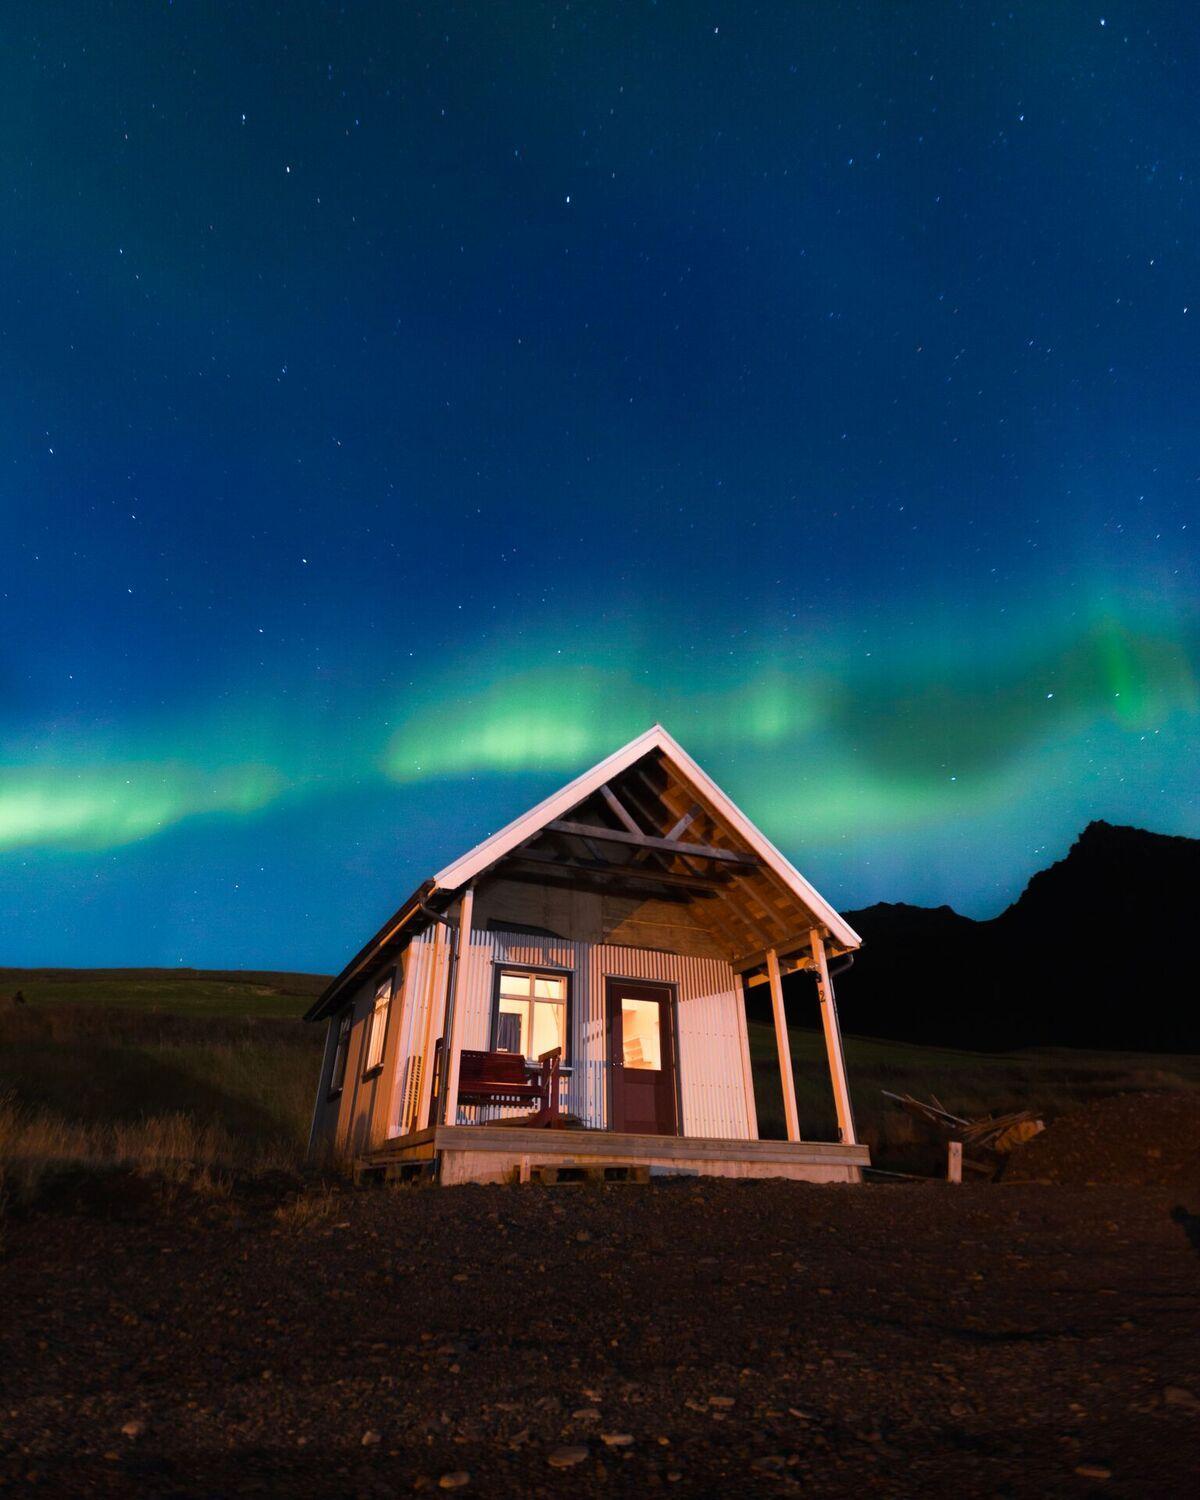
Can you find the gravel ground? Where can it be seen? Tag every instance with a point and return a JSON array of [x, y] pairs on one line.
[[692, 1338]]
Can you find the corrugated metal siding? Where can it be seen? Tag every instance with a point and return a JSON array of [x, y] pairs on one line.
[[423, 990], [712, 1079]]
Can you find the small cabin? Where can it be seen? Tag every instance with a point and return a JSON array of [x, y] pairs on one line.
[[567, 999]]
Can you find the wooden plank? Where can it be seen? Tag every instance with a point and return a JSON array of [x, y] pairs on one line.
[[743, 1035], [786, 1076], [652, 820], [785, 949], [582, 880], [619, 809], [611, 1145], [833, 1041], [648, 841], [466, 911], [435, 1019], [735, 899], [684, 823], [621, 872]]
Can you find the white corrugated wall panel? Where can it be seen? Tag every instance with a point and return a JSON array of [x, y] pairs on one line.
[[711, 1074]]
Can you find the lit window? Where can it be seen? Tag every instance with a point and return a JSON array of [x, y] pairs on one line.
[[641, 1039], [531, 1013], [341, 1053], [378, 1022]]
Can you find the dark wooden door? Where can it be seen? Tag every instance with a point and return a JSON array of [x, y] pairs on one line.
[[641, 1055]]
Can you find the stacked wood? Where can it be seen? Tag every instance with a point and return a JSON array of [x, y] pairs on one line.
[[985, 1141]]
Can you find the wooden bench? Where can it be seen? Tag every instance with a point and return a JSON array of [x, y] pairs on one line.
[[506, 1078]]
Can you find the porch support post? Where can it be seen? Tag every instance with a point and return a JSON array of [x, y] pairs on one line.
[[436, 1000], [833, 1041], [786, 1077], [462, 951]]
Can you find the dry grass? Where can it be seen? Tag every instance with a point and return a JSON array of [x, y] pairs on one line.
[[82, 1084], [307, 1209], [187, 1100], [176, 1148]]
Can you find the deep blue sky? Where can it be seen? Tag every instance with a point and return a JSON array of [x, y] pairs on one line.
[[403, 407]]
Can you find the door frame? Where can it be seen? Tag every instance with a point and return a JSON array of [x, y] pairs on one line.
[[671, 996]]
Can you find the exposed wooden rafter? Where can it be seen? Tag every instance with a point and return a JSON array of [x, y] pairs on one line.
[[584, 880], [739, 908], [787, 948], [619, 808], [682, 824], [648, 841], [643, 856], [627, 873]]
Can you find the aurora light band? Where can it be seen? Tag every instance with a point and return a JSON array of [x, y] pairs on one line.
[[393, 431]]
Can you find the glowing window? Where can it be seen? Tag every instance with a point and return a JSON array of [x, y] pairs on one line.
[[641, 1038], [531, 1013]]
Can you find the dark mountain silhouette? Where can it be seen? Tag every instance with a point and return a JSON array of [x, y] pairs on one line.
[[1095, 952]]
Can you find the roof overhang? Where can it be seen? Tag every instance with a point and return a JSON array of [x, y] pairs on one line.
[[646, 822], [392, 935]]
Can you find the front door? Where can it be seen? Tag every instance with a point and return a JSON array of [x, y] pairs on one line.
[[641, 1055]]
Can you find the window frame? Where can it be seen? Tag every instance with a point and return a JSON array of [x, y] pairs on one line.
[[371, 1069], [341, 1052], [537, 971]]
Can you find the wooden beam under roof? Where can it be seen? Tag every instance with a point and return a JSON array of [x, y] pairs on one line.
[[584, 880], [667, 797], [672, 833], [674, 796], [619, 809], [648, 841], [626, 819], [685, 822], [718, 914], [740, 907], [785, 949], [637, 873]]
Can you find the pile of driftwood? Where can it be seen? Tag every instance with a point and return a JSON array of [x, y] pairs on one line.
[[985, 1142]]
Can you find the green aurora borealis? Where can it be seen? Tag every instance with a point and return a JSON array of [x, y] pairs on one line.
[[404, 410], [851, 764]]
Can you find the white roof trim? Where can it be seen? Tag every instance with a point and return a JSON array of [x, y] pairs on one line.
[[472, 864]]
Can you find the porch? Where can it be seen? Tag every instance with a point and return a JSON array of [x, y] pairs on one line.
[[455, 1154]]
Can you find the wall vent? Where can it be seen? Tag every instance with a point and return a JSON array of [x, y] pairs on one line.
[[412, 1093]]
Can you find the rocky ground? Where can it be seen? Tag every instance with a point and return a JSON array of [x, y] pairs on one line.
[[693, 1338]]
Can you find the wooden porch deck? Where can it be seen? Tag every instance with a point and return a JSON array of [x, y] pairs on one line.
[[499, 1153]]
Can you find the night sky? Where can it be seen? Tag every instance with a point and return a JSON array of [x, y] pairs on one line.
[[404, 406]]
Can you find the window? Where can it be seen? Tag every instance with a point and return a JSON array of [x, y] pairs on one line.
[[341, 1052], [531, 1013], [378, 1023], [641, 1041]]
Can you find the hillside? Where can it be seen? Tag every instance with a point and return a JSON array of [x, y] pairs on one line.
[[1096, 952], [186, 992]]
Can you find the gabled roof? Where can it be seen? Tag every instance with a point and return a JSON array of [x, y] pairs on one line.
[[761, 899]]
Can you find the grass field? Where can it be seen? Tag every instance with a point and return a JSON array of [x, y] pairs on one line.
[[217, 1070], [178, 1071], [177, 992]]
